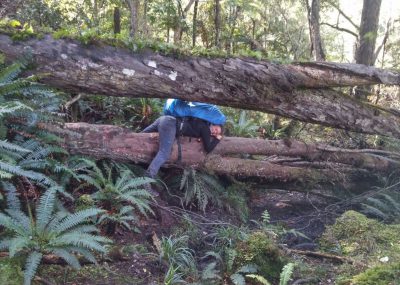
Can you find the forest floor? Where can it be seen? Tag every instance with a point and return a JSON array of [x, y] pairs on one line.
[[134, 259]]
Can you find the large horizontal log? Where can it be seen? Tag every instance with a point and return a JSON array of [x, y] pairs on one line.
[[105, 141], [292, 90]]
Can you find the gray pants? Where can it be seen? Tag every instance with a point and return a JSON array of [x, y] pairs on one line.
[[166, 127]]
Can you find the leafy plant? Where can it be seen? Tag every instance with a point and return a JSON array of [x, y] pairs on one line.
[[49, 231], [119, 192], [174, 253], [242, 128], [200, 188], [25, 148], [383, 204]]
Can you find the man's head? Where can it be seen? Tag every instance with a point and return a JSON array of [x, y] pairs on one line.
[[216, 130]]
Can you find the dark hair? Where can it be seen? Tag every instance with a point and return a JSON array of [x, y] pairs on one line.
[[221, 126]]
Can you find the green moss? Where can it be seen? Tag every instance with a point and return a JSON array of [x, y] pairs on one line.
[[85, 201], [379, 275], [10, 272], [353, 234], [368, 242], [260, 250]]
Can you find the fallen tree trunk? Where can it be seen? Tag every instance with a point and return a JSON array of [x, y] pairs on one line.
[[106, 141], [297, 91]]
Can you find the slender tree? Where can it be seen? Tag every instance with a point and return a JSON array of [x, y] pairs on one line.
[[217, 21], [365, 51], [117, 21], [194, 35], [315, 34], [133, 8]]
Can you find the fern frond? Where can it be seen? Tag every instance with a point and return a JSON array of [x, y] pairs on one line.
[[84, 240], [135, 182], [21, 218], [210, 272], [238, 279], [11, 224], [248, 268], [31, 266], [370, 210], [286, 274], [259, 278], [76, 219], [265, 217], [45, 208], [84, 252], [17, 244], [68, 257], [12, 198], [4, 145], [10, 72]]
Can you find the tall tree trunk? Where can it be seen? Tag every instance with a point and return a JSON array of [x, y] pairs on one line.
[[194, 35], [300, 91], [365, 52], [178, 31], [145, 24], [117, 21], [133, 9], [217, 22], [314, 26]]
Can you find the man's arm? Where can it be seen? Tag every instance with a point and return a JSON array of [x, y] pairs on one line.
[[209, 141]]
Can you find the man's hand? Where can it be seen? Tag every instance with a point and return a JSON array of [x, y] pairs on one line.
[[218, 137]]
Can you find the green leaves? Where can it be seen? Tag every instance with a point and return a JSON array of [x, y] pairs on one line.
[[49, 232]]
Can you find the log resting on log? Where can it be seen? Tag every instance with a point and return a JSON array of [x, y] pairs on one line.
[[300, 91], [106, 141]]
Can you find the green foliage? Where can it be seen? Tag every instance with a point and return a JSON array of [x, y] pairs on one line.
[[10, 272], [201, 188], [260, 250], [242, 128], [355, 235], [286, 274], [49, 231], [383, 204], [119, 191], [23, 104], [175, 254], [378, 275]]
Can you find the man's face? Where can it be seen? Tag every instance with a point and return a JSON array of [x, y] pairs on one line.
[[215, 130]]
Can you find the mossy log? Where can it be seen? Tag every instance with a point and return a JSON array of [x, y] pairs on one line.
[[107, 141], [302, 91]]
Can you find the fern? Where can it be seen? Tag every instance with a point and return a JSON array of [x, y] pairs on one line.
[[114, 191], [48, 232], [238, 279], [286, 274], [259, 278], [32, 263], [265, 217], [200, 188]]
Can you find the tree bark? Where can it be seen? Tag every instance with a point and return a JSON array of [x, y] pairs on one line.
[[299, 91], [365, 52], [117, 21], [106, 141], [317, 50], [194, 34], [217, 22], [133, 9]]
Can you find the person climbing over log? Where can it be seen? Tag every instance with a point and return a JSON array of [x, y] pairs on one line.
[[170, 128]]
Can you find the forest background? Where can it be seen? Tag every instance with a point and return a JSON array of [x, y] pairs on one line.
[[327, 217]]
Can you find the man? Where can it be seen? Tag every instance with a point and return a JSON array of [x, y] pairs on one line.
[[169, 126]]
